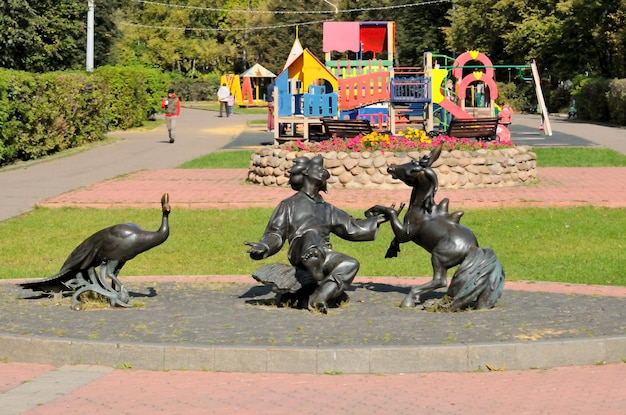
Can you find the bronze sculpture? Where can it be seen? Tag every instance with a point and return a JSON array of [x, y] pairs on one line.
[[479, 279], [109, 249], [306, 221]]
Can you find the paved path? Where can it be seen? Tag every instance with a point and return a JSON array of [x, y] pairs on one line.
[[566, 391], [198, 133], [36, 388], [190, 189]]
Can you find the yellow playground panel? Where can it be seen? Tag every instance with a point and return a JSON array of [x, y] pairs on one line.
[[309, 71], [245, 92]]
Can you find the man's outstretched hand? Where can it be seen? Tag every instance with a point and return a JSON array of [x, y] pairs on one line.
[[257, 250]]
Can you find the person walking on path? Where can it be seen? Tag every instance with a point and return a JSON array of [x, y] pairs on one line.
[[222, 95], [171, 105], [270, 107], [231, 105]]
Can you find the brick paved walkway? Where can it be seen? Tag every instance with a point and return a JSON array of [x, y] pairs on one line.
[[561, 391], [226, 188]]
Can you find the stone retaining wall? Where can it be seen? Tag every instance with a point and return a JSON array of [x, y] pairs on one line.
[[455, 169]]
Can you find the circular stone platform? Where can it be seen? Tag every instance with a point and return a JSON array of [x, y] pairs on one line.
[[457, 169], [196, 324]]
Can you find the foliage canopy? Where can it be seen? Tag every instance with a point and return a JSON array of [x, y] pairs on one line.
[[196, 37]]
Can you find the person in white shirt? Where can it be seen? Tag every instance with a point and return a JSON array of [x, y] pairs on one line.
[[222, 95]]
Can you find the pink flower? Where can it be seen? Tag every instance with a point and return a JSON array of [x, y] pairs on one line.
[[414, 140]]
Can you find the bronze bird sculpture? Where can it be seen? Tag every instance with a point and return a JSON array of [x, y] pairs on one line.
[[109, 249]]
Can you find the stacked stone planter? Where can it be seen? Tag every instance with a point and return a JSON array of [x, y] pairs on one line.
[[455, 169]]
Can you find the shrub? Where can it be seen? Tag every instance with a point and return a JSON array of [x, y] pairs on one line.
[[617, 101], [204, 89], [133, 93], [515, 94], [591, 99], [41, 114]]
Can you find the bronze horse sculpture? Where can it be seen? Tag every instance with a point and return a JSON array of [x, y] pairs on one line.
[[479, 279]]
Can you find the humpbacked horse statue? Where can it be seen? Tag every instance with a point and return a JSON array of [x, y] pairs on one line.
[[479, 280]]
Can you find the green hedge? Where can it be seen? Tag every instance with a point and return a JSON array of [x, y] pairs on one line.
[[41, 114], [592, 99], [617, 101], [204, 89], [133, 94]]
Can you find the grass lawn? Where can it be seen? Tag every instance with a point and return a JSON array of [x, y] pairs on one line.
[[578, 157], [546, 157], [214, 106], [575, 245], [235, 159]]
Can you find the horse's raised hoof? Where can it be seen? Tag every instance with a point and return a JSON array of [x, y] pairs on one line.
[[408, 302], [320, 307]]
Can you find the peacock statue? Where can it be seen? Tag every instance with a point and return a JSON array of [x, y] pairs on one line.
[[109, 249]]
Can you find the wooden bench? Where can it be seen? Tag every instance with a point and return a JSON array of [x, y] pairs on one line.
[[477, 128], [346, 128]]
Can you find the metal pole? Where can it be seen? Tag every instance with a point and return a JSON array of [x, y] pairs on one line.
[[547, 128], [334, 6], [90, 25]]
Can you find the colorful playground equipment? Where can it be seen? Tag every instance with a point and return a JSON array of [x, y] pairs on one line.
[[371, 88], [250, 91]]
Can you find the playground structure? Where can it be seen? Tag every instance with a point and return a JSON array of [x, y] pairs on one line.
[[371, 88], [248, 92]]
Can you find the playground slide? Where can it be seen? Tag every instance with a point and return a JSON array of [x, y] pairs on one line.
[[454, 109]]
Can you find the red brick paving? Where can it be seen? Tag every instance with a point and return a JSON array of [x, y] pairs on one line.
[[568, 390], [226, 188], [14, 374]]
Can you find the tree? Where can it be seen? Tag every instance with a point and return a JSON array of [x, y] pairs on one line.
[[192, 36], [566, 37], [594, 33], [50, 35], [418, 26], [291, 18]]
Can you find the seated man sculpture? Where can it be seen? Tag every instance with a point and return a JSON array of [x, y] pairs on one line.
[[306, 221]]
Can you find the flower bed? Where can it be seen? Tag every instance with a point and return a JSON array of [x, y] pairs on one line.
[[362, 162]]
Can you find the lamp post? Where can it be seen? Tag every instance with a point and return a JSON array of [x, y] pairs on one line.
[[90, 25]]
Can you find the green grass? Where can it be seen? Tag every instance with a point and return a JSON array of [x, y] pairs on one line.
[[578, 157], [574, 245], [236, 159], [546, 157], [150, 124], [214, 106]]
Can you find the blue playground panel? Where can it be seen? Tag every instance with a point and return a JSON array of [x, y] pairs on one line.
[[375, 115], [413, 89], [317, 103], [314, 103]]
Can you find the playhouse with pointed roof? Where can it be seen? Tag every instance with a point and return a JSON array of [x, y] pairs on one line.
[[246, 88]]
